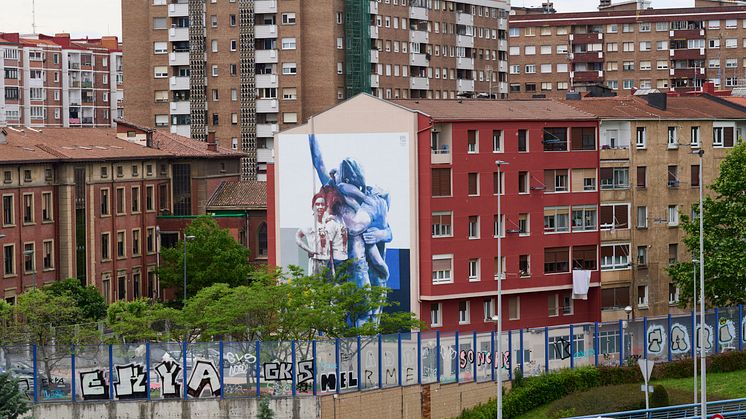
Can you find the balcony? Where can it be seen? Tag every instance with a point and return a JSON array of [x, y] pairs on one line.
[[419, 13], [464, 63], [178, 58], [373, 7], [265, 56], [86, 84], [588, 57], [178, 34], [178, 9], [178, 83], [687, 34], [465, 85], [586, 38], [265, 31], [419, 83], [502, 23], [687, 73], [183, 130], [74, 84], [267, 130], [264, 155], [687, 54], [441, 156], [464, 19], [266, 106], [374, 32], [374, 80], [374, 56], [266, 80], [265, 6], [502, 44], [466, 41], [588, 76], [502, 67], [180, 108], [419, 60], [419, 37]]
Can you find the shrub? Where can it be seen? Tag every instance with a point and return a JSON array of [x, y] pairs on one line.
[[518, 379], [12, 401], [659, 398], [726, 362]]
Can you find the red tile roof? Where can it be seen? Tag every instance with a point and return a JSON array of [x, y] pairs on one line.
[[239, 195], [677, 107], [179, 146], [495, 110]]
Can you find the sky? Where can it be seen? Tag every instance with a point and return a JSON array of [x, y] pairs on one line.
[[104, 17]]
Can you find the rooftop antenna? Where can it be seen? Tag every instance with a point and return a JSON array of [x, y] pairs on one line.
[[33, 16]]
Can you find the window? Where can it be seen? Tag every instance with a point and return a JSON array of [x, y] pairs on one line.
[[556, 180], [46, 206], [567, 308], [122, 286], [497, 141], [473, 269], [472, 141], [555, 139], [159, 23], [121, 250], [105, 246], [474, 227], [583, 138], [642, 296], [436, 315], [614, 178], [583, 218], [28, 208], [29, 258], [9, 259], [120, 201], [441, 224], [552, 305], [641, 177], [584, 257], [514, 307], [489, 309], [441, 182], [289, 93], [673, 141], [645, 65], [232, 20], [673, 294], [290, 117], [642, 257], [614, 216], [642, 217], [722, 137], [524, 226], [556, 260], [522, 140], [614, 298], [524, 266], [104, 202], [473, 187], [673, 215], [523, 182], [695, 175], [646, 46], [442, 267], [160, 72], [673, 178], [645, 27], [288, 18], [47, 255], [288, 43], [136, 247], [289, 69], [628, 46], [8, 210], [135, 199], [556, 219], [464, 317], [615, 256], [149, 198]]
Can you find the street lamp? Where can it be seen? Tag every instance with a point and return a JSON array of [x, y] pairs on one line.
[[186, 239], [499, 164], [29, 254], [694, 309], [703, 365], [157, 263], [628, 310]]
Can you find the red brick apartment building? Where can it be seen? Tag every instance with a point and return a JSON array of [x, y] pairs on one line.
[[56, 81], [83, 203], [550, 203]]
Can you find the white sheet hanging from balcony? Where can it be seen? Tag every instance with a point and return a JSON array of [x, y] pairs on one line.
[[581, 280]]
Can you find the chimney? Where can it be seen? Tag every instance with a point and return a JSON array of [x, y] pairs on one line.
[[657, 100], [212, 144], [604, 3], [708, 87], [149, 138], [3, 136], [110, 42]]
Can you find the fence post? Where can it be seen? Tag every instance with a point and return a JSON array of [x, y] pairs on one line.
[[668, 338], [315, 364], [520, 343], [621, 342], [474, 349], [492, 354], [437, 349], [546, 348], [292, 366], [644, 337], [111, 373], [36, 375], [336, 366], [694, 334], [458, 369], [147, 368], [259, 368], [221, 362], [72, 361], [419, 357], [398, 344], [359, 364], [739, 333], [380, 361], [510, 357], [716, 330], [595, 343], [572, 346], [184, 356]]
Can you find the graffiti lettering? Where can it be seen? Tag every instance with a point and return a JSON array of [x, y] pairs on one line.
[[131, 383], [203, 374], [562, 348], [726, 332], [93, 385], [679, 339], [347, 379], [168, 371], [707, 335], [390, 374], [656, 337], [53, 394], [239, 364], [278, 371], [25, 387]]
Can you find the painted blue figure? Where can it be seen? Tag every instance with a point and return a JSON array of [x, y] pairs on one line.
[[364, 211]]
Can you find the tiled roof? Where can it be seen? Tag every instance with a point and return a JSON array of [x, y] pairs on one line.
[[740, 101], [495, 110], [677, 107], [239, 195], [179, 146]]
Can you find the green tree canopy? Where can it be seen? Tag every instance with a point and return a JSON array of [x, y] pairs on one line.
[[12, 400], [88, 299], [724, 237], [213, 256]]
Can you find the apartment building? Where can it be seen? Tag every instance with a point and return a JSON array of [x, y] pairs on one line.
[[83, 203], [56, 81], [649, 177], [248, 69], [625, 48], [434, 161]]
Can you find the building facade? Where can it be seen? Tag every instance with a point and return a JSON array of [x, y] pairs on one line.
[[548, 220], [649, 174], [248, 69], [56, 81], [83, 203], [626, 48]]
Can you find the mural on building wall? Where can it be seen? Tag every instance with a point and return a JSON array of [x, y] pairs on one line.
[[344, 203]]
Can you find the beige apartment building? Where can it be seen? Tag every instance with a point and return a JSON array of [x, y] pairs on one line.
[[248, 69], [626, 47], [649, 176]]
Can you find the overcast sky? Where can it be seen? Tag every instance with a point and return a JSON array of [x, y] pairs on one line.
[[104, 17]]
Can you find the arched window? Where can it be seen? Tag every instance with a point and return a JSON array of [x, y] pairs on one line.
[[262, 240]]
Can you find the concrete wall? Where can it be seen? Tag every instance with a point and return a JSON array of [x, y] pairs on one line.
[[300, 407]]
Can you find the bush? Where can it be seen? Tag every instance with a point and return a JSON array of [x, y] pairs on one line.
[[12, 400], [518, 379], [659, 398]]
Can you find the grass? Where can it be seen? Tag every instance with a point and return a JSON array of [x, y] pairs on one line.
[[629, 397]]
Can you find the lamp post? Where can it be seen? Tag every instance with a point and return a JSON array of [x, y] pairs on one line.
[[628, 310], [186, 239], [702, 363], [694, 309], [498, 362], [156, 283]]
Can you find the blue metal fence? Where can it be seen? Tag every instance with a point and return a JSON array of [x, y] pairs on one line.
[[153, 371]]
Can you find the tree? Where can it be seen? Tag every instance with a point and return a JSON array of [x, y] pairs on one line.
[[88, 299], [12, 400], [724, 237], [213, 256], [140, 320]]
